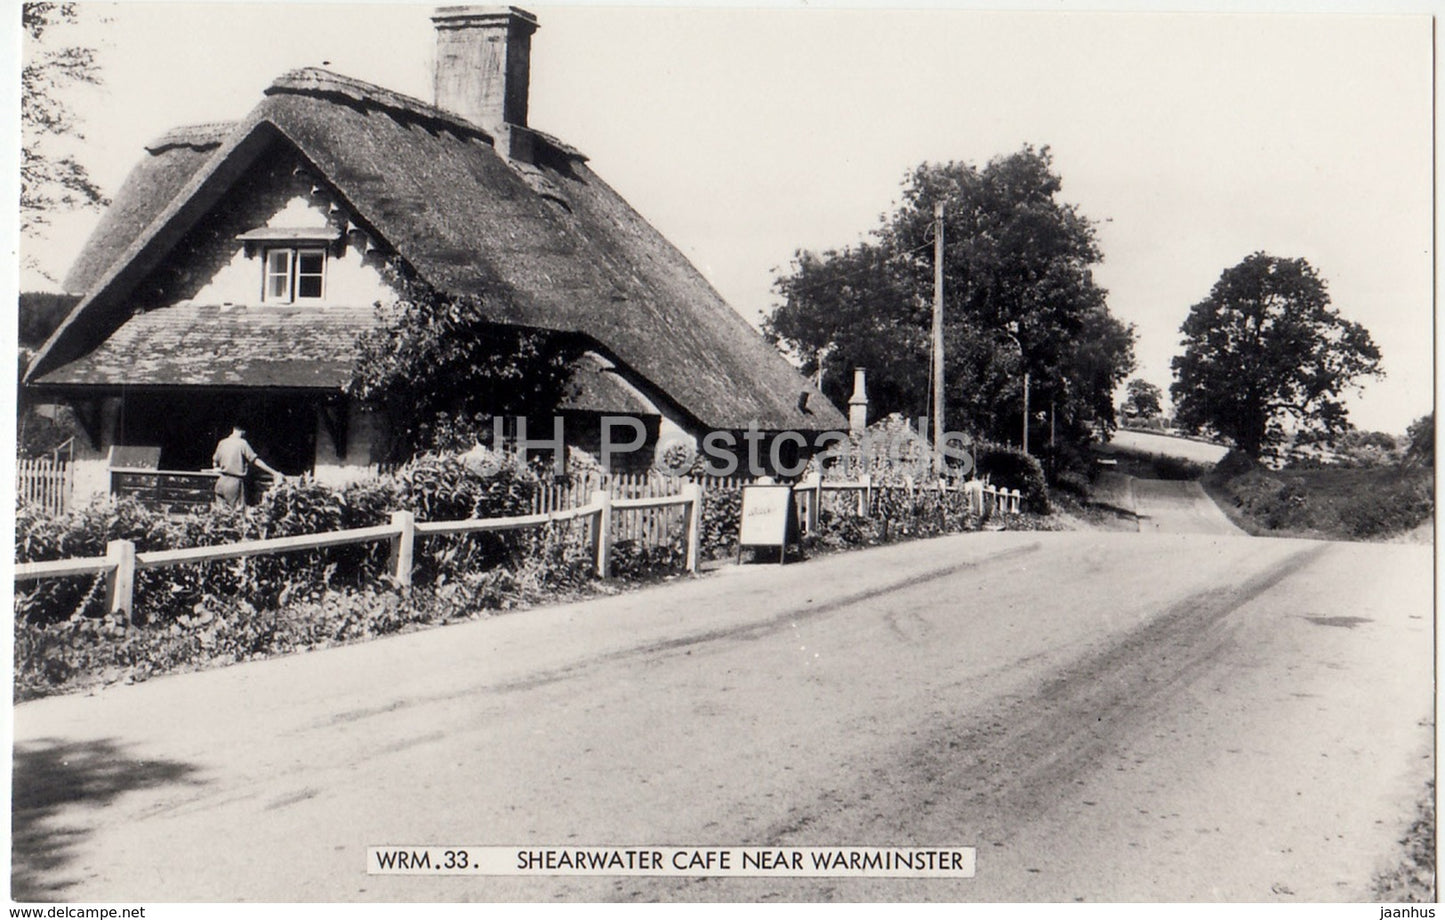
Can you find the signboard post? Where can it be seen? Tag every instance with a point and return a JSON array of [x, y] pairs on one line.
[[768, 519]]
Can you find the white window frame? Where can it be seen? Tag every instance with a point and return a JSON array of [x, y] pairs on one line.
[[292, 273], [268, 274], [296, 272]]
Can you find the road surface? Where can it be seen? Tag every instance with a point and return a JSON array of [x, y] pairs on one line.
[[1104, 716], [1163, 506], [1167, 506]]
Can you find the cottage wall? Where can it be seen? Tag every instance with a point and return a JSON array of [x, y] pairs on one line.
[[210, 266], [91, 465], [365, 444]]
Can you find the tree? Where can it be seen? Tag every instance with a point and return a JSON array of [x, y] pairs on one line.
[[856, 308], [41, 312], [1018, 296], [1421, 435], [438, 370], [51, 177], [1143, 398], [1265, 348]]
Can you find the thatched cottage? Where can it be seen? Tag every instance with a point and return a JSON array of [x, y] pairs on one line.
[[240, 261]]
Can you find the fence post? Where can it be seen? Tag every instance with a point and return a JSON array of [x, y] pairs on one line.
[[694, 524], [403, 547], [120, 579], [1015, 498], [602, 533], [814, 486]]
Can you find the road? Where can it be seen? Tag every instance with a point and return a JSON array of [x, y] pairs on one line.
[[1104, 716], [1165, 506], [1162, 506]]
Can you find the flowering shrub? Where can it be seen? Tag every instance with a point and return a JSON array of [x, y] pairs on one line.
[[223, 628], [1011, 468], [718, 528], [433, 488]]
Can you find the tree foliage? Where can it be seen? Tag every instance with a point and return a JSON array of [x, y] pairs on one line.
[[41, 312], [1143, 398], [1421, 435], [1266, 348], [50, 176], [1018, 295], [438, 370]]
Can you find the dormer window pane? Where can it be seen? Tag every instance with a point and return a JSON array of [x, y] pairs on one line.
[[310, 273], [278, 276]]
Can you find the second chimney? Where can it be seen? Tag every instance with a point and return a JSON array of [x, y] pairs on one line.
[[858, 402], [483, 64]]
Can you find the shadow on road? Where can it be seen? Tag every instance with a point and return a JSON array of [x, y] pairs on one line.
[[50, 775]]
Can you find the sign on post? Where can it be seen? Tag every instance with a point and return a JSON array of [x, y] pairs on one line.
[[768, 519]]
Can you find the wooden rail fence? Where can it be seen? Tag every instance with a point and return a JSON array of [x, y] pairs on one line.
[[631, 515], [121, 560]]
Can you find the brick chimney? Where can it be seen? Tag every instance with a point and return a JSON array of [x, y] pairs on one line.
[[483, 69]]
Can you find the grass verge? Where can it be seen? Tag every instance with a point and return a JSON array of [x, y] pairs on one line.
[[1332, 503], [1413, 881]]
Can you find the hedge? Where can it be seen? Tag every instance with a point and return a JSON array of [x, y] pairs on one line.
[[236, 610]]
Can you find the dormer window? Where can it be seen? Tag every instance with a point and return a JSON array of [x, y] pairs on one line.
[[293, 261], [294, 274]]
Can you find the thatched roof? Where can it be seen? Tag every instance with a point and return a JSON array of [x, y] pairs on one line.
[[545, 244], [170, 162], [596, 386]]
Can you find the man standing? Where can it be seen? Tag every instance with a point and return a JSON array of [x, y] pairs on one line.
[[233, 460]]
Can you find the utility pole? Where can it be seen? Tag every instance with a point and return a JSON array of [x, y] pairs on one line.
[[938, 336], [1013, 333], [1026, 407]]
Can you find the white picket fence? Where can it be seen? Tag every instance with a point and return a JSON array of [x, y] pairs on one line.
[[44, 481], [657, 526]]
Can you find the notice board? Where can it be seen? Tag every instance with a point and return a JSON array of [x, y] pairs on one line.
[[767, 518]]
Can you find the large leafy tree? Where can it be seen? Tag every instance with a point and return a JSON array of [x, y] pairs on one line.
[[1266, 349], [51, 177], [1143, 397], [1018, 295]]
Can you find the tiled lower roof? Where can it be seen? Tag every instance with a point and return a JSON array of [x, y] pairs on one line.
[[207, 345]]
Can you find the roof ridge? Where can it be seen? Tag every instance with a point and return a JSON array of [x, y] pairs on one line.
[[200, 136], [317, 81]]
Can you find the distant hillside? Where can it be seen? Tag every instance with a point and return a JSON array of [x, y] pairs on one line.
[[1163, 445]]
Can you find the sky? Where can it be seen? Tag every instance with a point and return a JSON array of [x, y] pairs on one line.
[[744, 135]]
